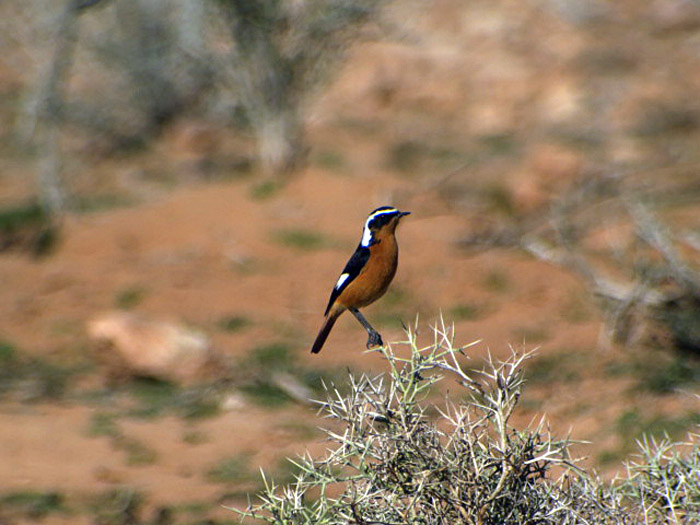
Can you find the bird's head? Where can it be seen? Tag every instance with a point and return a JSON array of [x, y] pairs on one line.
[[380, 221]]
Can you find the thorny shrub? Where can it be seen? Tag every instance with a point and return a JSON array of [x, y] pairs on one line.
[[392, 464]]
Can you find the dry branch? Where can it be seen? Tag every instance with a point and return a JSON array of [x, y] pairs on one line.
[[557, 235]]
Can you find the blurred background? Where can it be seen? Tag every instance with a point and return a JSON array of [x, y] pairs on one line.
[[181, 181]]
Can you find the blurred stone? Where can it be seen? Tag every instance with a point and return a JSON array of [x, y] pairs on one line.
[[133, 345]]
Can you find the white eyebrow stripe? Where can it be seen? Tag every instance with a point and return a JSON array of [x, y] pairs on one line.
[[366, 232], [341, 280], [380, 212]]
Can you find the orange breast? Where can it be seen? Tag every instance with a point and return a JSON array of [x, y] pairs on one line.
[[374, 279]]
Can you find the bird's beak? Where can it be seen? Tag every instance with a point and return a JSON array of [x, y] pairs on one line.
[[404, 213]]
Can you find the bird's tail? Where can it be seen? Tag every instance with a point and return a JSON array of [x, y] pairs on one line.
[[325, 330]]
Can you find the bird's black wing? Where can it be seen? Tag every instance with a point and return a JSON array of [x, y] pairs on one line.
[[352, 269]]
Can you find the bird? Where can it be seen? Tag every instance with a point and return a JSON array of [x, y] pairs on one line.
[[366, 275]]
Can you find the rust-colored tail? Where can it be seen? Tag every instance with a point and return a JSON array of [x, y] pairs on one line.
[[325, 330]]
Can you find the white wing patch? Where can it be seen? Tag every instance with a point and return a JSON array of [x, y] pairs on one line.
[[341, 280]]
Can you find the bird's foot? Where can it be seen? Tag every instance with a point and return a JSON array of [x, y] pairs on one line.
[[374, 340]]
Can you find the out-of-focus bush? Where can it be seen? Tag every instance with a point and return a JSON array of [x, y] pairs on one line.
[[115, 73], [630, 241]]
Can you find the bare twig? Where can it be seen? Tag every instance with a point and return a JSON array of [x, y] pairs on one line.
[[558, 237], [656, 235]]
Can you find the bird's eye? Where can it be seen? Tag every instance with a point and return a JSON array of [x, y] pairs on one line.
[[379, 222]]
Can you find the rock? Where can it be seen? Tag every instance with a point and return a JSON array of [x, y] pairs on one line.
[[133, 345]]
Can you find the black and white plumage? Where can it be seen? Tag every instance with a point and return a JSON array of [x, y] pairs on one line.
[[366, 275], [350, 272]]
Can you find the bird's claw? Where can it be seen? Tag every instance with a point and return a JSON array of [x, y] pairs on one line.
[[374, 340]]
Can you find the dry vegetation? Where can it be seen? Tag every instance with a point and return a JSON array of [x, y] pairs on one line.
[[391, 462], [205, 166]]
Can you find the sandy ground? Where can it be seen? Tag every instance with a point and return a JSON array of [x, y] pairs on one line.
[[185, 250], [514, 100]]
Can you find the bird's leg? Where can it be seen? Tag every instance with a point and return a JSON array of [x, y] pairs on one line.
[[374, 338]]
